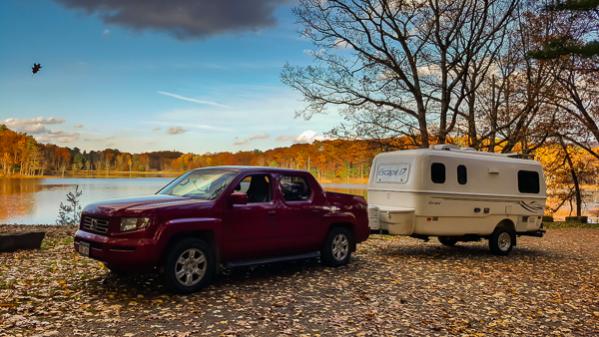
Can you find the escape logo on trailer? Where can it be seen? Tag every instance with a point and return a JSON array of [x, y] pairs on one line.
[[393, 173]]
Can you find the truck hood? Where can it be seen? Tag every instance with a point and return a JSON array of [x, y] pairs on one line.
[[144, 204]]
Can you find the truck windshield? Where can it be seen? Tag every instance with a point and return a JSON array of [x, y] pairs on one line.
[[200, 184]]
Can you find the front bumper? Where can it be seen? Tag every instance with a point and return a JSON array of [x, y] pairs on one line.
[[122, 252]]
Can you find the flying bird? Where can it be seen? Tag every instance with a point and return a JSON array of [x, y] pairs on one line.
[[36, 68]]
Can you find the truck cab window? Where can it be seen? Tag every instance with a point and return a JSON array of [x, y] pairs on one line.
[[295, 188], [528, 182], [257, 188], [438, 173], [462, 175]]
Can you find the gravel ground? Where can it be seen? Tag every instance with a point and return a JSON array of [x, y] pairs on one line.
[[394, 286]]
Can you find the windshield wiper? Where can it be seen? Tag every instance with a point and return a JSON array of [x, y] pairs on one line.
[[217, 192]]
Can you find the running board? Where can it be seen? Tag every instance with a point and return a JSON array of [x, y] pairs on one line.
[[246, 263]]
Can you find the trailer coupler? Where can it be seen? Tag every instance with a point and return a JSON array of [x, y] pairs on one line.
[[538, 233]]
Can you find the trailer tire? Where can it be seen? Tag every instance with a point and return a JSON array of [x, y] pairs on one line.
[[447, 241], [502, 240]]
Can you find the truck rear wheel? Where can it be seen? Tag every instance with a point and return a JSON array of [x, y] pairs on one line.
[[338, 247], [189, 266], [502, 240], [447, 241]]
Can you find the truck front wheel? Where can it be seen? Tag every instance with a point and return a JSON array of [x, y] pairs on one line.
[[189, 266], [338, 247], [502, 240]]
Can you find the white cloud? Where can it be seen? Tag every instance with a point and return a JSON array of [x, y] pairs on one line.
[[429, 70], [36, 125], [340, 43], [244, 141], [308, 136], [205, 127], [58, 137], [175, 130], [191, 99]]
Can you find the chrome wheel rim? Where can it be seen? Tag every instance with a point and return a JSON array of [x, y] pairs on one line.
[[504, 241], [190, 267], [340, 247]]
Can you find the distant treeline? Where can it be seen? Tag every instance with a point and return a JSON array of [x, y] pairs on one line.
[[22, 155], [330, 160]]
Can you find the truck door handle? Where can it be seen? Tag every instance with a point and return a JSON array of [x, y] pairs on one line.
[[271, 212], [477, 210]]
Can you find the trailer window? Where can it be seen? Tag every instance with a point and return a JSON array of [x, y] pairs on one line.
[[528, 182], [438, 173], [462, 175]]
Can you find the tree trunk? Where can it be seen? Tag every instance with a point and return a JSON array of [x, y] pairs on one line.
[[578, 193]]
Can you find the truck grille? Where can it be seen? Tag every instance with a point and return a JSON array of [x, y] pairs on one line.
[[95, 225]]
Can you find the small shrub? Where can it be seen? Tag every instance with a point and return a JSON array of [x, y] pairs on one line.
[[579, 219], [69, 213], [547, 218]]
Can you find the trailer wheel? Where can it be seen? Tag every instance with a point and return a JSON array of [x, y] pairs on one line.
[[447, 241], [502, 240]]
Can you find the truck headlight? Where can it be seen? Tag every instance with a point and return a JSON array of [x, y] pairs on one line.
[[131, 224]]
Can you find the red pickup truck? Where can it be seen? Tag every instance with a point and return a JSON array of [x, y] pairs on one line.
[[230, 216]]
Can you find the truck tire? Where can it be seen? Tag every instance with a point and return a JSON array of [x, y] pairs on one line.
[[337, 247], [189, 266], [502, 240], [447, 241]]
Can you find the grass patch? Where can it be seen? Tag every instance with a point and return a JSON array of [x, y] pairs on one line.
[[563, 224]]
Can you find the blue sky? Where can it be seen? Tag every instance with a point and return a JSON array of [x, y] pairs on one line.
[[105, 84]]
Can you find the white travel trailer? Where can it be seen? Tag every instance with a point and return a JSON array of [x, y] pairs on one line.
[[457, 194]]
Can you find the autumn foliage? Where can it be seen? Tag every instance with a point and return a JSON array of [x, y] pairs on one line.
[[22, 155]]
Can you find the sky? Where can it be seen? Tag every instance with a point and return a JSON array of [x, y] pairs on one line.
[[146, 75]]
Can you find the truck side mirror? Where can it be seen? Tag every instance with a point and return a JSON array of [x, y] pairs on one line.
[[238, 198]]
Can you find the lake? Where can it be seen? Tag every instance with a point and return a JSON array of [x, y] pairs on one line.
[[36, 201]]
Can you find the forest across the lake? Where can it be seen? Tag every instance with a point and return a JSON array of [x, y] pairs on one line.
[[331, 161]]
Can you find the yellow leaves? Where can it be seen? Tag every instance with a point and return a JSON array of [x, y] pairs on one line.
[[394, 286]]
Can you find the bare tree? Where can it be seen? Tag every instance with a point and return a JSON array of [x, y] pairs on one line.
[[578, 100], [514, 111], [398, 67], [576, 74]]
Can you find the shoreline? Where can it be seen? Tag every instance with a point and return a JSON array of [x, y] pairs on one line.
[[167, 174], [118, 174], [550, 225]]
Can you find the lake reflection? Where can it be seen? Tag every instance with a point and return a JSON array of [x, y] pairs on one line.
[[36, 201]]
